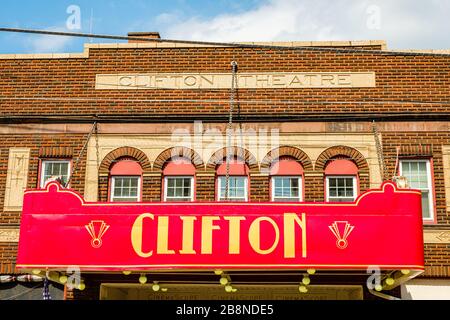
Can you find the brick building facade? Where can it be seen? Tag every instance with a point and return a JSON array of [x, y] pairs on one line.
[[49, 103]]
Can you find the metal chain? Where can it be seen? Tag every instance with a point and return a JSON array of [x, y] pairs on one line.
[[97, 153], [380, 155], [75, 166], [230, 124]]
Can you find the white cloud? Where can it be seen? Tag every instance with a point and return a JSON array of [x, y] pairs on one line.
[[403, 23], [49, 43]]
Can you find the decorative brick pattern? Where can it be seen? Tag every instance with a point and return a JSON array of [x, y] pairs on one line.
[[219, 156], [56, 152], [339, 151], [178, 152], [125, 152], [293, 152]]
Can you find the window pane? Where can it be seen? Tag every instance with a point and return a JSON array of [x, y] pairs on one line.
[[340, 189], [426, 204], [278, 182], [52, 169], [170, 192], [125, 189], [286, 188], [332, 182], [178, 189], [236, 188], [349, 182]]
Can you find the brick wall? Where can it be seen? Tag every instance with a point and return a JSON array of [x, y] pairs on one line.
[[398, 76], [8, 253]]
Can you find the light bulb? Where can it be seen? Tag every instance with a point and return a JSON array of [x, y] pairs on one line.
[[218, 272], [302, 289], [390, 281], [306, 280], [81, 286], [311, 271], [155, 287], [405, 271], [378, 287], [63, 279], [142, 279], [126, 272], [228, 288], [233, 290], [223, 281], [164, 289], [36, 271]]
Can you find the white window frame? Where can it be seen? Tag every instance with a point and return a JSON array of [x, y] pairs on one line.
[[219, 188], [42, 168], [300, 188], [184, 177], [429, 185], [113, 183], [327, 183]]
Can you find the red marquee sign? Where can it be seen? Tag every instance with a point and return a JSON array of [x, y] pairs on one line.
[[381, 228]]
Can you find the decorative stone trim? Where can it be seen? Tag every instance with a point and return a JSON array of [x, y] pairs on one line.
[[259, 174], [205, 174], [16, 178], [9, 235], [436, 236], [152, 174]]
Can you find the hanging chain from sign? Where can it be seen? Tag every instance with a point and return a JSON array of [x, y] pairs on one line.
[[230, 125], [380, 156], [83, 149]]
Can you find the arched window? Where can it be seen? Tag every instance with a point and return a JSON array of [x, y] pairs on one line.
[[286, 180], [178, 180], [125, 181], [341, 180], [237, 183]]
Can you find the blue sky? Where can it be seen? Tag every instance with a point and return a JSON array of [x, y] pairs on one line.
[[404, 24]]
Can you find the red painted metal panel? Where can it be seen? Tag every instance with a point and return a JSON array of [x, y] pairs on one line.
[[286, 167], [341, 167]]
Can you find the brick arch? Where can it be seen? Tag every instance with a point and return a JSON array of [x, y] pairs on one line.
[[293, 152], [167, 154], [220, 154], [121, 152], [345, 151]]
